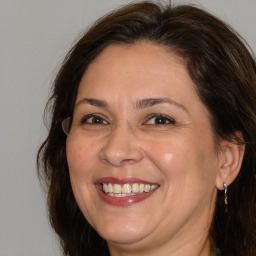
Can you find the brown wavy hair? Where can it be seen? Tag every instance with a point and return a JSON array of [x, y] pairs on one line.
[[223, 70]]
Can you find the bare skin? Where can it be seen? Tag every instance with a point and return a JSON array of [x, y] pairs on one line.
[[122, 133]]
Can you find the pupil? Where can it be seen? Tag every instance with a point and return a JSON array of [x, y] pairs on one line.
[[160, 120], [97, 120]]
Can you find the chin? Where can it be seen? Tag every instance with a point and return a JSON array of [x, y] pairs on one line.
[[123, 234]]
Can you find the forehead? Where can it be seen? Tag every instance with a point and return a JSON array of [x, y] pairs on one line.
[[143, 65], [123, 75]]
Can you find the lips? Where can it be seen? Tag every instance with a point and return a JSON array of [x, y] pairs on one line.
[[124, 192]]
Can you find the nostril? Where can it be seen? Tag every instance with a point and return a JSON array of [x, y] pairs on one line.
[[128, 161], [118, 162]]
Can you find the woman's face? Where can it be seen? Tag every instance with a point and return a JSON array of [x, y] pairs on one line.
[[141, 152]]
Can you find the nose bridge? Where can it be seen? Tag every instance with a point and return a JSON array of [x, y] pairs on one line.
[[121, 146]]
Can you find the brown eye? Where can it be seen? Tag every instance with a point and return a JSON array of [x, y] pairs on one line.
[[160, 120], [93, 120]]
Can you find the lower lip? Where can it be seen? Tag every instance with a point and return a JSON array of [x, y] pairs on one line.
[[123, 201]]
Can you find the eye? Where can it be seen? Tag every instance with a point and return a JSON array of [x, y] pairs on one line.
[[159, 119], [93, 120]]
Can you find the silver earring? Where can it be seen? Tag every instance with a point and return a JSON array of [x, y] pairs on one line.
[[225, 195]]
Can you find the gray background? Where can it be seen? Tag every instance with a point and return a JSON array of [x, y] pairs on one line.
[[35, 35]]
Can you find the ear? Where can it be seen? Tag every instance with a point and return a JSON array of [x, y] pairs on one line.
[[230, 161]]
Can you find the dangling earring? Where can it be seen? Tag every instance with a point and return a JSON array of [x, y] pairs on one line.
[[225, 196]]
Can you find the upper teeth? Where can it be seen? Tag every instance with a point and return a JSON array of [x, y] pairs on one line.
[[127, 188]]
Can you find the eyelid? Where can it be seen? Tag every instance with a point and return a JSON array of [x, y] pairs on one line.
[[88, 116], [171, 120]]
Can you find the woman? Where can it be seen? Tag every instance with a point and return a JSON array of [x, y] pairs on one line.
[[158, 104]]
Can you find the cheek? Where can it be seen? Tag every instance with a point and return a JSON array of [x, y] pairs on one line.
[[188, 171], [169, 156], [80, 155], [185, 160], [80, 158]]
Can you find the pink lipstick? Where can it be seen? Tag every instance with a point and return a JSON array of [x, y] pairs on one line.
[[124, 192]]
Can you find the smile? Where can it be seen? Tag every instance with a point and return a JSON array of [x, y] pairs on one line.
[[127, 189], [124, 192]]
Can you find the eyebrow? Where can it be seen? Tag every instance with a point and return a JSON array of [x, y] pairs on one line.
[[150, 102], [140, 104], [93, 102]]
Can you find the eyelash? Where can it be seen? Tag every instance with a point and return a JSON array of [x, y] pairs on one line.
[[87, 117], [165, 118], [170, 120]]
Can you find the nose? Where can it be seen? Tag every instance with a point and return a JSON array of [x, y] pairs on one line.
[[121, 147]]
